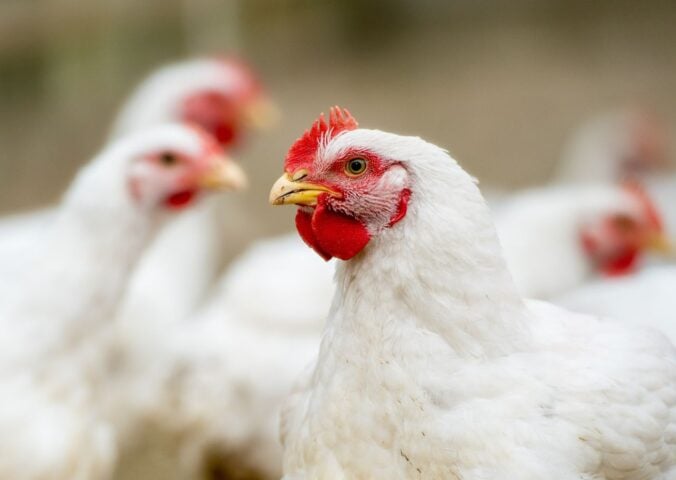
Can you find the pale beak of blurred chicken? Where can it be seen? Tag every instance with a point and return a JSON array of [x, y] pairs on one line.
[[660, 243], [262, 114], [223, 174]]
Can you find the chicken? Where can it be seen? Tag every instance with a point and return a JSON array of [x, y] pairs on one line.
[[221, 95], [55, 319], [544, 223], [224, 97], [555, 238], [431, 364], [620, 145]]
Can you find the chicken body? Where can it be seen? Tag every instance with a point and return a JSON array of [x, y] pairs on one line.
[[55, 322], [431, 364], [20, 236], [51, 423]]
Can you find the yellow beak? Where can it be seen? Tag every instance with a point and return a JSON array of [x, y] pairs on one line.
[[224, 174], [261, 114], [660, 243], [287, 191]]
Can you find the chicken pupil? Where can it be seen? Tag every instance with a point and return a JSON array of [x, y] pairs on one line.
[[357, 165]]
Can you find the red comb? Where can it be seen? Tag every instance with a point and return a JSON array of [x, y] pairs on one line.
[[302, 152], [639, 192]]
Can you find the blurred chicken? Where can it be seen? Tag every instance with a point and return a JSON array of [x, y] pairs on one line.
[[222, 96], [627, 144], [431, 365], [20, 238], [257, 274], [620, 145], [51, 347], [556, 238]]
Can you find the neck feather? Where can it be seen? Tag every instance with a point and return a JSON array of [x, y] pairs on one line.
[[439, 270]]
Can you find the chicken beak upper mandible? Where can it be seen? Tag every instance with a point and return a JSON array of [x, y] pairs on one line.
[[287, 191], [223, 174]]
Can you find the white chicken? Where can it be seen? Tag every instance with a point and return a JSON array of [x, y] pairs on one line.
[[626, 144], [620, 145], [556, 238], [540, 228], [222, 96], [432, 365], [52, 324]]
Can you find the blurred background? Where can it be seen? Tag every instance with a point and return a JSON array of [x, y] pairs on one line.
[[501, 84]]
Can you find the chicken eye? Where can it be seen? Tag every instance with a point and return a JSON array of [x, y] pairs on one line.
[[355, 166], [168, 159]]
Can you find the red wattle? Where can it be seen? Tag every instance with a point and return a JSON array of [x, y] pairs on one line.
[[341, 236], [180, 200], [331, 234], [304, 227], [622, 264], [224, 133]]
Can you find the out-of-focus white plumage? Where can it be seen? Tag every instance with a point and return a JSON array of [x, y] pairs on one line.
[[55, 323], [645, 298], [663, 190], [215, 384], [20, 236], [539, 230], [254, 288], [431, 365], [611, 147]]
